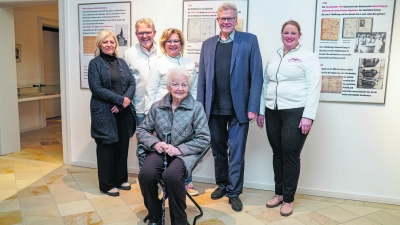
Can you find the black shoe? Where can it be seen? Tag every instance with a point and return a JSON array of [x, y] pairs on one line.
[[153, 223], [217, 194], [112, 192], [125, 186], [236, 203]]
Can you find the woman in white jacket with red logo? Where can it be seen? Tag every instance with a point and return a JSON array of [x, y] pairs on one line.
[[289, 102]]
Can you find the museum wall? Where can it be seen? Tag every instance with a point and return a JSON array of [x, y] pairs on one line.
[[9, 124], [351, 152]]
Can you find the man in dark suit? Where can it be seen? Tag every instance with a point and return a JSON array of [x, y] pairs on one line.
[[230, 83]]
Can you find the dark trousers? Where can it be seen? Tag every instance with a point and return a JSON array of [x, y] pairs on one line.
[[174, 177], [286, 141], [112, 159], [228, 133]]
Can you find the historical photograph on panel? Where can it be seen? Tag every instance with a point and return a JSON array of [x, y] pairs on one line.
[[332, 84], [330, 29], [370, 42], [371, 73], [121, 32], [356, 24], [200, 29]]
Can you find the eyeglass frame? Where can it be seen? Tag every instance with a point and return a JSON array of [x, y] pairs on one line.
[[147, 33], [169, 42], [226, 19]]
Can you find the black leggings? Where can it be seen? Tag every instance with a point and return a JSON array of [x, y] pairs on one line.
[[287, 142]]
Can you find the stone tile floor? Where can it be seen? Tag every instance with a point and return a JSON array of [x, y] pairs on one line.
[[37, 189]]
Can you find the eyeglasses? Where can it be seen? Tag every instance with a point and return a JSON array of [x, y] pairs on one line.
[[226, 19], [169, 42], [183, 86], [148, 33]]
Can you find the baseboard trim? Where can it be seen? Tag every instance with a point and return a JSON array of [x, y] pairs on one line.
[[29, 129], [270, 187]]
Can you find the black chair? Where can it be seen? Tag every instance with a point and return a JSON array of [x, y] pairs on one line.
[[198, 160]]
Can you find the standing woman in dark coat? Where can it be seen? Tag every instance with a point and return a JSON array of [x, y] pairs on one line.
[[113, 115]]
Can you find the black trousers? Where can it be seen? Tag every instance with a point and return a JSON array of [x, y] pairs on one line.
[[174, 181], [112, 159], [228, 144], [287, 142]]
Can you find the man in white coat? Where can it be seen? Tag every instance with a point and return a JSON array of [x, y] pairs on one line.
[[139, 58]]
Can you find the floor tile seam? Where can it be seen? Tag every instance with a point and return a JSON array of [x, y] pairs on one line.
[[397, 215], [364, 217], [31, 161], [362, 206], [358, 216]]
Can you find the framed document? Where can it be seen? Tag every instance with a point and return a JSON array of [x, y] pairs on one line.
[[356, 24], [330, 29]]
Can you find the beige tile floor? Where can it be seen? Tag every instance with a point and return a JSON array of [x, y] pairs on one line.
[[37, 189]]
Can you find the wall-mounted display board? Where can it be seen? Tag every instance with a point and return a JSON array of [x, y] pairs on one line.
[[114, 16], [352, 39], [199, 23]]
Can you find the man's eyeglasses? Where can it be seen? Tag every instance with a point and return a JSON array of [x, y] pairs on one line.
[[148, 33], [169, 42], [226, 19]]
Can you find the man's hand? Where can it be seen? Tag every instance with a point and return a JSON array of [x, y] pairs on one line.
[[251, 115]]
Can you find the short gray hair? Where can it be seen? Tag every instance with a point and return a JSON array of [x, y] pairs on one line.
[[227, 6], [177, 71]]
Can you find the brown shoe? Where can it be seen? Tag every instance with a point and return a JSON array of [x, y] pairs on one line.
[[287, 209], [275, 201]]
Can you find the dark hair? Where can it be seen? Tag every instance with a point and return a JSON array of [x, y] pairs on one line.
[[291, 22]]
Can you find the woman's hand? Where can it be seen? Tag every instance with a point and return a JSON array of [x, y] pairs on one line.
[[172, 150], [160, 147], [126, 102], [260, 121], [305, 125], [115, 109]]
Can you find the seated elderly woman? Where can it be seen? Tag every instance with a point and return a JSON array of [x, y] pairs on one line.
[[184, 119]]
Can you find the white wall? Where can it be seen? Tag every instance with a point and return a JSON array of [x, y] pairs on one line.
[[352, 151], [9, 124]]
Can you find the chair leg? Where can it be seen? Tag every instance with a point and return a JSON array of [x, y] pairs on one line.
[[146, 218], [197, 206]]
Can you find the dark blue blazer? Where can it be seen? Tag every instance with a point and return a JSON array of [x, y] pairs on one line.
[[246, 74]]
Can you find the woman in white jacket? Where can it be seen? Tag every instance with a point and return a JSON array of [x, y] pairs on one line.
[[172, 43], [289, 101]]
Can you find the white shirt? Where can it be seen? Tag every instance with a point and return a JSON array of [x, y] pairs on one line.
[[156, 88], [139, 61], [292, 81]]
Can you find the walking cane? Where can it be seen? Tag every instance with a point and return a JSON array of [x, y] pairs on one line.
[[166, 135]]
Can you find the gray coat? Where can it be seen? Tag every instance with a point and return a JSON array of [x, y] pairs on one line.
[[188, 126], [104, 124]]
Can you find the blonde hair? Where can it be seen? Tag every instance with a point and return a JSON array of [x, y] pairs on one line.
[[167, 34], [145, 21], [103, 34], [227, 6], [177, 70]]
